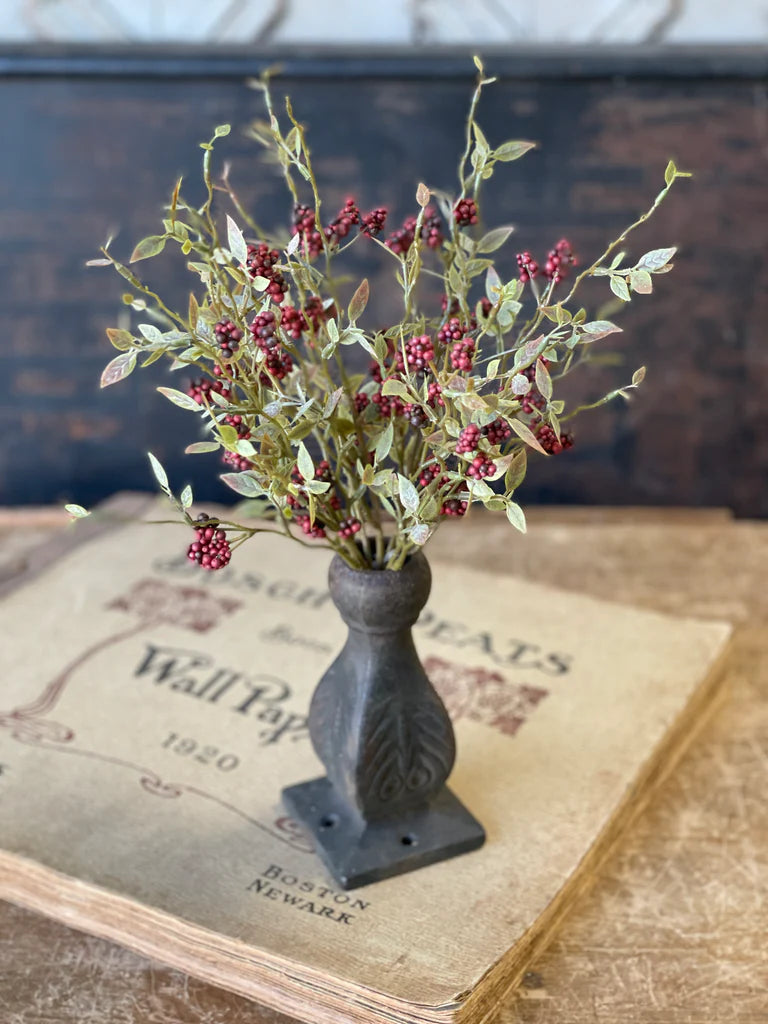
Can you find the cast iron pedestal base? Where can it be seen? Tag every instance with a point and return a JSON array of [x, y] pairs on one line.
[[357, 854]]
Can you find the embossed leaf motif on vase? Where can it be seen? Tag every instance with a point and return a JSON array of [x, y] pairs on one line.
[[384, 737]]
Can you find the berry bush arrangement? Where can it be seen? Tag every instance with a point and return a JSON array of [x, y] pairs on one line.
[[455, 398]]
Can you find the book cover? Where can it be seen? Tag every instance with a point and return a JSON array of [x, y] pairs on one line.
[[151, 713]]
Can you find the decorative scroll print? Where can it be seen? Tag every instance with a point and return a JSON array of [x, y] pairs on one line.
[[483, 696], [153, 602]]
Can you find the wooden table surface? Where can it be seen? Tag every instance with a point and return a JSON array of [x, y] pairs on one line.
[[675, 925]]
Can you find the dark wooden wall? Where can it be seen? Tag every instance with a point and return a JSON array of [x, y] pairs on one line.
[[93, 142]]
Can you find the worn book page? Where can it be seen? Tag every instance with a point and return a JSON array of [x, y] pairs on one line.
[[150, 714]]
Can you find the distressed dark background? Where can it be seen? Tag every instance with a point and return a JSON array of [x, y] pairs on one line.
[[93, 142]]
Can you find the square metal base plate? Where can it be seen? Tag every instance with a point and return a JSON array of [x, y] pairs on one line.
[[383, 848]]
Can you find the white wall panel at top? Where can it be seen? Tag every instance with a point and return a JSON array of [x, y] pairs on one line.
[[387, 22]]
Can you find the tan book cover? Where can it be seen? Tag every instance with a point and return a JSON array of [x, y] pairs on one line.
[[150, 714]]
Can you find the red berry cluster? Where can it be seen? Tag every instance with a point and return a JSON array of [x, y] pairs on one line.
[[263, 327], [428, 473], [342, 224], [349, 527], [469, 439], [305, 225], [462, 354], [550, 442], [453, 507], [315, 529], [480, 467], [228, 337], [261, 262], [372, 223], [293, 322], [276, 366], [362, 402], [388, 405], [401, 240], [465, 212], [558, 259], [315, 313], [452, 330], [419, 352], [435, 395], [210, 548], [202, 388], [416, 415], [529, 268], [497, 432], [238, 462], [432, 229]]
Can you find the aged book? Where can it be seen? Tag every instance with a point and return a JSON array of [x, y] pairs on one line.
[[150, 714]]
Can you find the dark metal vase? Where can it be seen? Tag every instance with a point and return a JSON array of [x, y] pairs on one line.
[[384, 737]]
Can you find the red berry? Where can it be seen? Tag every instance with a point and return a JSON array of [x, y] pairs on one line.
[[419, 352], [372, 223], [210, 548], [480, 467], [465, 212], [497, 432], [550, 442], [529, 268], [339, 228], [228, 336], [263, 328], [462, 354], [349, 527], [453, 507], [261, 261], [469, 439], [293, 322]]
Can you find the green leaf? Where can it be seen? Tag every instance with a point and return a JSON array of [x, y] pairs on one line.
[[199, 447], [77, 511], [619, 288], [641, 282], [305, 463], [243, 483], [513, 150], [358, 301], [160, 474], [543, 379], [151, 333], [333, 330], [392, 386], [480, 140], [516, 470], [221, 131], [121, 340], [121, 366], [150, 246], [384, 443], [656, 259], [236, 242], [409, 496], [420, 533], [179, 398], [526, 434], [516, 516], [638, 376], [186, 497], [492, 285], [670, 173], [597, 329], [479, 489], [494, 240], [423, 195]]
